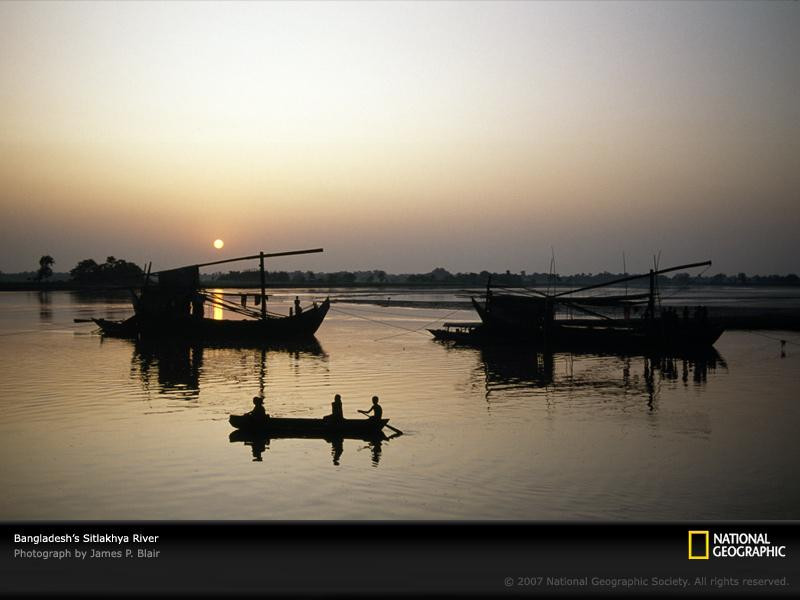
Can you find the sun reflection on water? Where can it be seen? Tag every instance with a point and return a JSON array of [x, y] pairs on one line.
[[217, 295]]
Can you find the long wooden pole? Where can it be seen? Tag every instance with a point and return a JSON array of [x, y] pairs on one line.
[[254, 256], [632, 277]]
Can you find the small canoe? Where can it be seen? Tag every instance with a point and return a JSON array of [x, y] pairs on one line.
[[322, 427]]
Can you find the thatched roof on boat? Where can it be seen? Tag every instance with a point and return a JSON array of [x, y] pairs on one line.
[[182, 278]]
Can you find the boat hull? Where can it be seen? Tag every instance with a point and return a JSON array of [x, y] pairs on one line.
[[272, 329], [595, 336], [656, 337]]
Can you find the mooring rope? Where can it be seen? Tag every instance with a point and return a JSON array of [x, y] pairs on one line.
[[407, 316], [783, 341], [418, 330], [405, 329]]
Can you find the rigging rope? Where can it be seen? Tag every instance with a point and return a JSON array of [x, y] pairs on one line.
[[686, 285], [226, 304]]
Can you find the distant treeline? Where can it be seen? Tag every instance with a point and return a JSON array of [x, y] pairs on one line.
[[441, 276], [87, 272], [120, 272]]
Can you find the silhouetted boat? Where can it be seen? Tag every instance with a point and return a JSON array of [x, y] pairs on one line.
[[174, 306], [461, 333], [528, 316], [270, 329], [306, 427]]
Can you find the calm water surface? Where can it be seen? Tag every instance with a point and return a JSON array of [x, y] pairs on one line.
[[94, 428]]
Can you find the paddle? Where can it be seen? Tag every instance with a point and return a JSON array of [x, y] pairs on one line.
[[395, 429]]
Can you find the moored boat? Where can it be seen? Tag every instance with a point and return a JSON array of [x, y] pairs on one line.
[[273, 328], [174, 306], [529, 316], [459, 333]]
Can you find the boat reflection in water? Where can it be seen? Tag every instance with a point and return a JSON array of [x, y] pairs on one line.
[[177, 365], [259, 443], [175, 368], [507, 369]]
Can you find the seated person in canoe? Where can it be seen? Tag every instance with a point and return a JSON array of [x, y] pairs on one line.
[[337, 412], [376, 410], [258, 411]]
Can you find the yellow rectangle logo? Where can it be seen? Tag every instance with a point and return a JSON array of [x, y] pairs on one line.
[[697, 556]]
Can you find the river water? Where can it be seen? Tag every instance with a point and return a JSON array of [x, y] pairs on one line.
[[94, 428]]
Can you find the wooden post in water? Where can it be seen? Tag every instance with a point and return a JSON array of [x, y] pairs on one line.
[[651, 300], [263, 287]]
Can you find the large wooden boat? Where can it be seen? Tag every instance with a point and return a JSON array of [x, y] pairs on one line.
[[172, 303], [271, 329], [530, 316]]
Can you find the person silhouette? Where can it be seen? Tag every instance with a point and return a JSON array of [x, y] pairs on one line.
[[337, 412], [258, 411], [376, 410]]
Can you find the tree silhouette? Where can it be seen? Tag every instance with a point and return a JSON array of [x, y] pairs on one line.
[[113, 271], [46, 263]]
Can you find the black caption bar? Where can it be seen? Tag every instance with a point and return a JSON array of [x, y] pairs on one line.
[[401, 558]]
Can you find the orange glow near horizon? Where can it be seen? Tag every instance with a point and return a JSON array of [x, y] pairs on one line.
[[400, 136]]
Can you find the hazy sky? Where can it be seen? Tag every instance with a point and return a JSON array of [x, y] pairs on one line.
[[402, 136]]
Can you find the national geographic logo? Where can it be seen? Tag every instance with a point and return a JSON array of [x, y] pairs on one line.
[[698, 545], [703, 545]]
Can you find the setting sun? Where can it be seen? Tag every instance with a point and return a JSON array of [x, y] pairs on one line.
[[218, 244]]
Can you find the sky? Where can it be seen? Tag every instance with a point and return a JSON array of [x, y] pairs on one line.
[[402, 136]]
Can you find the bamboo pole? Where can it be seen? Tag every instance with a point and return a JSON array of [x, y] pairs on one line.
[[632, 277], [260, 255]]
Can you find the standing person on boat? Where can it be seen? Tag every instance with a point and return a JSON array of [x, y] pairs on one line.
[[376, 410], [297, 309]]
